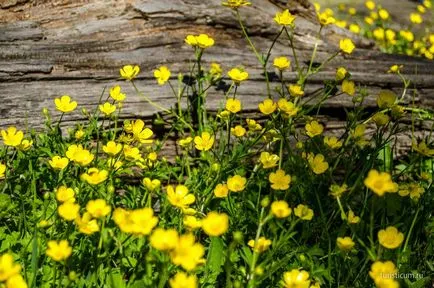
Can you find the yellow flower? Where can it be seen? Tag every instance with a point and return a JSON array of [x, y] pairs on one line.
[[58, 162], [369, 20], [238, 131], [16, 281], [370, 5], [162, 74], [296, 279], [427, 4], [317, 163], [341, 73], [236, 183], [179, 197], [65, 194], [187, 253], [139, 222], [345, 243], [79, 155], [383, 13], [295, 90], [347, 46], [281, 63], [416, 18], [280, 209], [349, 87], [284, 18], [111, 148], [107, 108], [423, 149], [68, 210], [216, 70], [268, 160], [380, 182], [395, 69], [383, 274], [407, 35], [129, 72], [386, 99], [289, 108], [352, 218], [341, 23], [253, 125], [303, 212], [115, 93], [267, 106], [141, 135], [234, 4], [98, 208], [337, 191], [64, 104], [202, 41], [413, 189], [204, 142], [233, 105], [355, 28], [333, 142], [79, 134], [183, 280], [58, 250], [192, 222], [390, 36], [2, 170], [7, 267], [12, 136], [164, 239], [25, 145], [86, 224], [185, 142], [215, 224], [390, 237], [262, 244], [237, 75], [379, 33], [325, 19], [221, 190], [313, 129], [151, 185], [279, 180], [94, 176]]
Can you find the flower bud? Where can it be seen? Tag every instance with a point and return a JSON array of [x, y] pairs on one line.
[[265, 202]]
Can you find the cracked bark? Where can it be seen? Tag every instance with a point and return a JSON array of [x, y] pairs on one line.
[[53, 47]]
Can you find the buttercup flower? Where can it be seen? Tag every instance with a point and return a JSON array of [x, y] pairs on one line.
[[236, 183], [204, 142], [416, 18], [333, 142], [151, 185], [284, 18], [268, 160], [382, 274], [65, 194], [216, 70], [262, 244], [380, 182], [79, 155], [86, 224], [314, 129], [25, 145], [179, 197], [58, 250], [303, 212], [68, 210], [192, 222], [221, 190], [370, 5], [98, 208], [162, 74], [202, 41], [112, 148], [94, 176], [164, 239], [2, 170], [185, 141], [238, 75], [395, 68], [386, 99], [295, 90], [16, 281], [349, 87], [12, 136], [281, 63], [187, 253], [338, 190], [235, 4], [347, 46], [233, 105], [345, 243], [58, 163], [129, 72], [296, 279], [279, 180], [352, 218], [138, 222], [115, 93], [215, 224], [64, 104], [280, 209], [317, 163], [325, 19], [414, 190], [390, 237], [107, 108], [7, 267], [238, 131], [183, 280], [341, 73], [384, 14], [289, 108]]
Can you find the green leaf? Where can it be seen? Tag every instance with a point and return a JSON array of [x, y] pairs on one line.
[[216, 259], [116, 280]]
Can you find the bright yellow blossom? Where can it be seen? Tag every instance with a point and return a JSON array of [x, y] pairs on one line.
[[303, 212], [349, 87], [236, 183], [12, 136], [58, 163], [192, 222], [151, 184], [187, 253], [7, 267], [98, 208], [267, 106], [58, 250], [68, 210], [107, 108], [317, 163], [345, 243], [281, 63], [333, 142], [341, 73], [384, 14], [370, 5], [221, 190], [382, 274], [162, 74], [86, 224], [94, 176], [115, 93], [390, 237], [347, 46], [238, 75], [204, 142], [268, 160], [279, 180], [284, 18], [280, 209], [354, 28], [64, 104], [16, 281], [314, 129], [352, 218], [325, 19], [79, 155], [2, 170], [65, 194], [112, 148], [289, 108], [181, 279], [140, 132], [215, 224], [202, 41], [238, 131], [296, 279], [164, 240], [380, 182], [235, 4], [129, 72], [25, 145], [260, 246], [179, 196], [295, 90], [416, 18]]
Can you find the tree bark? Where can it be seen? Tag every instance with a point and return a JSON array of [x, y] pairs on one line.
[[49, 48]]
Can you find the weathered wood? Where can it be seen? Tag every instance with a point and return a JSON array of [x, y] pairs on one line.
[[53, 47]]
